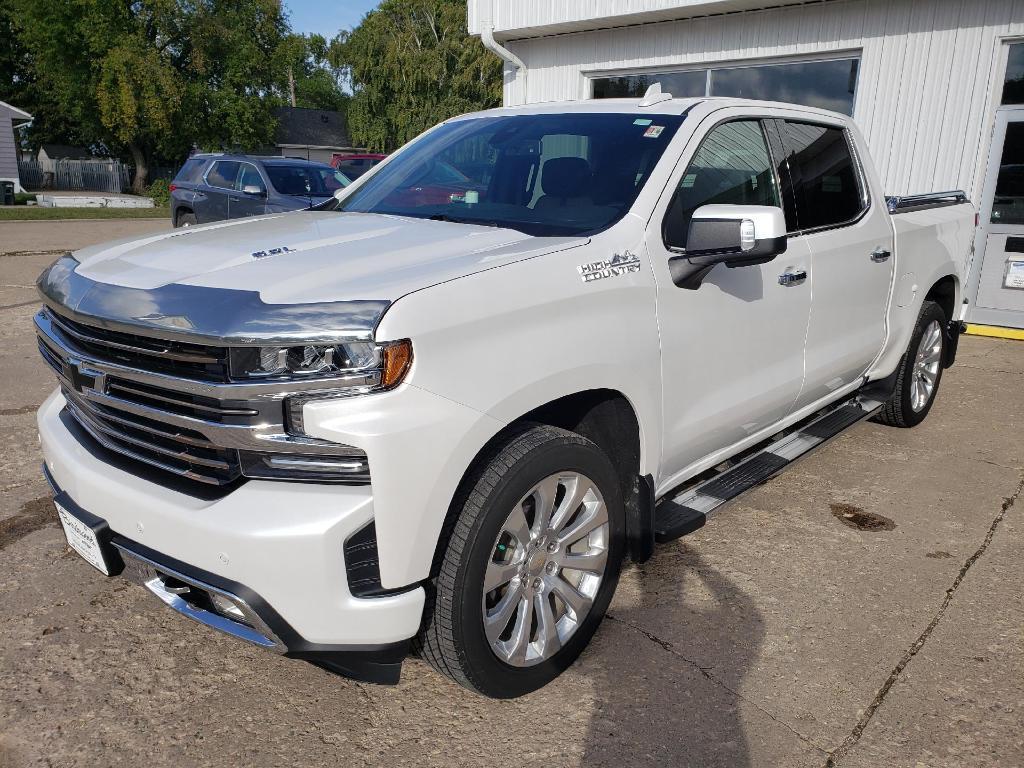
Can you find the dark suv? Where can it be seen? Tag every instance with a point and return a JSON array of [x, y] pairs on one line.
[[211, 187]]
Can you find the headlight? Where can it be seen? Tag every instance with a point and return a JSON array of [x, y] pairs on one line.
[[350, 368], [308, 359]]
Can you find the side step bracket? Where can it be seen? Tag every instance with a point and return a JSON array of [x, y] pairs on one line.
[[678, 514]]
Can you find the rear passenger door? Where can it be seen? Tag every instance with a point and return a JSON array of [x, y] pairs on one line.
[[850, 239], [220, 183]]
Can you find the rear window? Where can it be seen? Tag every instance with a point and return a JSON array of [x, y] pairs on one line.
[[191, 171], [825, 177]]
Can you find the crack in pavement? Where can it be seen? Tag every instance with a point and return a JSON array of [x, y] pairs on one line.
[[706, 673], [848, 743]]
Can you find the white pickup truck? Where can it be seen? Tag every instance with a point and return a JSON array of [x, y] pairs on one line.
[[439, 413]]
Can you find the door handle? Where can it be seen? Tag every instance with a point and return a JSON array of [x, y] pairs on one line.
[[880, 254], [793, 277]]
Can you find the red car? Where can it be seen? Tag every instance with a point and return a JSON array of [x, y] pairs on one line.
[[355, 166]]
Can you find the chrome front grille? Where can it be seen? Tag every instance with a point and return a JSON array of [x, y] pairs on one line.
[[194, 422], [180, 451], [171, 357]]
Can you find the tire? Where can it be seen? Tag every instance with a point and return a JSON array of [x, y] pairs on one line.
[[453, 638], [905, 408], [186, 220]]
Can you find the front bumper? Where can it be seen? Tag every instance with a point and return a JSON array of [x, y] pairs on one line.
[[276, 546]]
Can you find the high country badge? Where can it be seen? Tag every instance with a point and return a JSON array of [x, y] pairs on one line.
[[617, 265]]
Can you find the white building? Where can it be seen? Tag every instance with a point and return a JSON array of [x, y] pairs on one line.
[[937, 86]]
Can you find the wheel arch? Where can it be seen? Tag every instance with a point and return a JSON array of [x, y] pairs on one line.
[[606, 417], [944, 292]]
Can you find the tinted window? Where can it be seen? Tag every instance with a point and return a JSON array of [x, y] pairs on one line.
[[825, 84], [356, 168], [1008, 204], [1013, 83], [305, 180], [731, 167], [223, 174], [825, 179], [545, 174], [249, 177], [679, 84], [191, 171]]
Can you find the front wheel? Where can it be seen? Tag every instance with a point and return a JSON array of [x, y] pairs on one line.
[[920, 372], [530, 566]]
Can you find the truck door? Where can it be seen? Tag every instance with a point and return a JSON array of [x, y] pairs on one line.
[[732, 350], [849, 234]]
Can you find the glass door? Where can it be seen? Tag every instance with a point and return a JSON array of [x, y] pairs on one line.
[[997, 285]]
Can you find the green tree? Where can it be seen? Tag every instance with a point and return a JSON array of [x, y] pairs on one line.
[[412, 64], [306, 69], [154, 77]]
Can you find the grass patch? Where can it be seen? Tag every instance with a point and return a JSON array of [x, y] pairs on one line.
[[35, 213]]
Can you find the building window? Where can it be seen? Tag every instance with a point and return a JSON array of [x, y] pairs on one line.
[[829, 84], [1013, 83]]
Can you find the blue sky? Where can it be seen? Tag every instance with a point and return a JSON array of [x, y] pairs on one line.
[[327, 17]]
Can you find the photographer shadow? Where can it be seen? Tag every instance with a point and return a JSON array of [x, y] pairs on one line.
[[666, 671]]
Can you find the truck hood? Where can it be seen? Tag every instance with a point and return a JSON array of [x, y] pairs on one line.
[[312, 256]]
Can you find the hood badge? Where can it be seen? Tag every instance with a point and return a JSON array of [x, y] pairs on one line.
[[619, 264], [272, 252]]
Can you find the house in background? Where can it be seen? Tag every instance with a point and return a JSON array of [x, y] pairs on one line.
[[10, 118], [936, 86], [310, 134], [49, 153]]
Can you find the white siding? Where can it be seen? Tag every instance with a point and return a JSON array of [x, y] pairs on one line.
[[930, 77], [524, 18]]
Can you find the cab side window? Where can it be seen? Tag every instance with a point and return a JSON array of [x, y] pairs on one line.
[[731, 167], [826, 183]]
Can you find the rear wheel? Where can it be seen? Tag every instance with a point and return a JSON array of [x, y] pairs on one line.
[[530, 566], [187, 219], [920, 371]]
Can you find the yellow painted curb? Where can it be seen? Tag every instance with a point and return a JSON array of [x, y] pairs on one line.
[[996, 332]]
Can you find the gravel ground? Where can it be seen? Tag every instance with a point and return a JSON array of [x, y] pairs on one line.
[[781, 634]]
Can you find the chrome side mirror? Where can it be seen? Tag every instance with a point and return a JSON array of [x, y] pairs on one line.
[[734, 235]]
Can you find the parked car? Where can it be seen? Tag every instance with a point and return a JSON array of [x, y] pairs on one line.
[[448, 422], [212, 187], [355, 166]]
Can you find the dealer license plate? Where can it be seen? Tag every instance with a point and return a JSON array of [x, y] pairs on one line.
[[83, 539]]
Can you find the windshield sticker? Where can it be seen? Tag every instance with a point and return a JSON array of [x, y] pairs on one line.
[[619, 264], [643, 121], [654, 131]]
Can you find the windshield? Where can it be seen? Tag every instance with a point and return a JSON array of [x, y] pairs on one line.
[[561, 174], [306, 181]]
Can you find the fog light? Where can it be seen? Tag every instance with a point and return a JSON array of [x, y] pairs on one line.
[[227, 607]]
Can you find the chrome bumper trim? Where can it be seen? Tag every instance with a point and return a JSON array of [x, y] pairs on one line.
[[153, 576]]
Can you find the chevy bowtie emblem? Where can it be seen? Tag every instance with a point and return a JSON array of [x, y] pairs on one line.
[[619, 264], [82, 377], [272, 252]]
